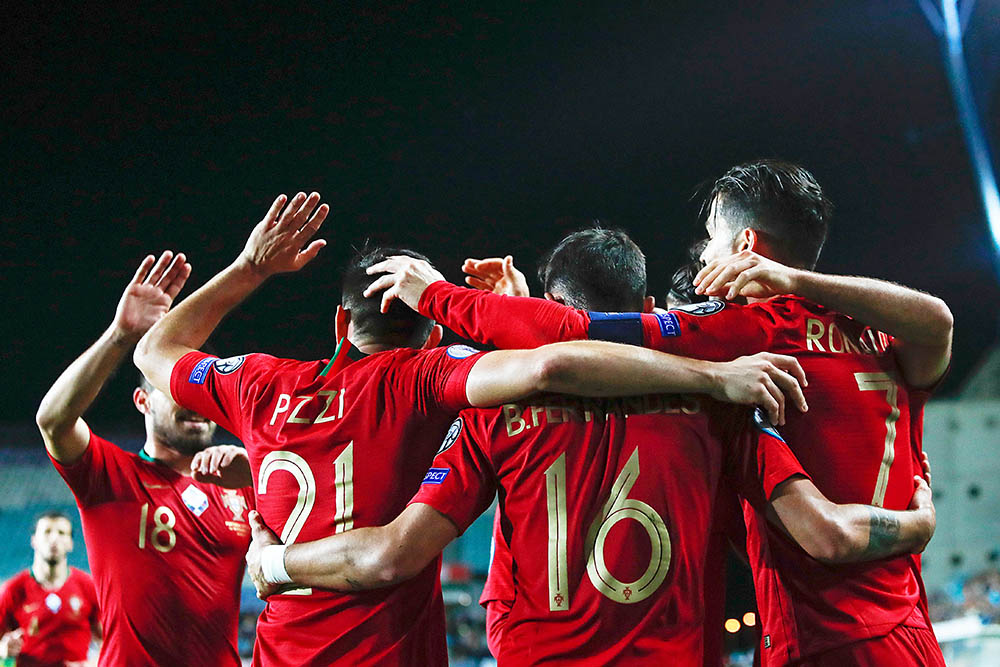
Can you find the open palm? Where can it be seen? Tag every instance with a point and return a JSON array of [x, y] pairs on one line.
[[150, 293]]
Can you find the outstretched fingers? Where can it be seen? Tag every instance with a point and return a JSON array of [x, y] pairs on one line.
[[143, 269], [153, 277]]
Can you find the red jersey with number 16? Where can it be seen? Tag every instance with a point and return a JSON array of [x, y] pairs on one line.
[[855, 442], [331, 453], [606, 506], [57, 623]]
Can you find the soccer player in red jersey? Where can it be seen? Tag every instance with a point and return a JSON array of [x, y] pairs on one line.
[[166, 548], [859, 443], [49, 611], [343, 445], [533, 451]]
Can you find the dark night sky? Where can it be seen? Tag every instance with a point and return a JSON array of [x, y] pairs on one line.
[[461, 131]]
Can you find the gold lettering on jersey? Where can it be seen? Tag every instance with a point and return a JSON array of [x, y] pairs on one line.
[[555, 504], [343, 486], [327, 398], [294, 418], [519, 418], [820, 333], [33, 626], [814, 332]]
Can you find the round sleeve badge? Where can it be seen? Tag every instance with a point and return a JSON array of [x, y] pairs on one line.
[[461, 351], [452, 435], [230, 365]]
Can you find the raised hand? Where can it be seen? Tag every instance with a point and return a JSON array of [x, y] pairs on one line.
[[150, 294], [745, 274], [223, 465], [763, 379], [262, 537], [405, 278], [11, 643], [278, 244], [497, 275]]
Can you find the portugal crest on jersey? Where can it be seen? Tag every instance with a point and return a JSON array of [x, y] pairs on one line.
[[235, 503], [75, 603]]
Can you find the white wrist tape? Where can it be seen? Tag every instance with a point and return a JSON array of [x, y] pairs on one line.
[[272, 564]]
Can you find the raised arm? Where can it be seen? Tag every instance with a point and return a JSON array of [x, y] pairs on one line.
[[146, 299], [358, 559], [279, 243], [508, 322], [596, 368], [850, 533], [921, 324]]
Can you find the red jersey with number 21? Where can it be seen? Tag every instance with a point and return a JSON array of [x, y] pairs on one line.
[[331, 453]]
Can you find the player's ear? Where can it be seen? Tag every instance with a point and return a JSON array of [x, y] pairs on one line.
[[140, 398], [648, 304], [341, 323], [555, 297], [434, 338], [747, 240]]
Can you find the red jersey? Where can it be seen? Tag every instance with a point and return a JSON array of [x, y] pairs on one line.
[[859, 441], [166, 553], [606, 507], [57, 623], [331, 453]]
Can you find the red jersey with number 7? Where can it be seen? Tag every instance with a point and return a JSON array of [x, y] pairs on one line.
[[855, 442], [330, 453], [606, 507]]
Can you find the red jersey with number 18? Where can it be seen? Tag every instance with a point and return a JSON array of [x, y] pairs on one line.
[[57, 623], [166, 553], [331, 453], [606, 506]]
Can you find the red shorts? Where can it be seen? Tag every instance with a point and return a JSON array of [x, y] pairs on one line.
[[905, 646]]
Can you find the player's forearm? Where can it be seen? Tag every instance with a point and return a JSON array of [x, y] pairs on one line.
[[504, 321], [907, 314], [189, 324], [76, 388], [596, 368], [871, 533], [359, 559]]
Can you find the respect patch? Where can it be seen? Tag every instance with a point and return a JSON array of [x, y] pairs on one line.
[[436, 475], [670, 326], [200, 371]]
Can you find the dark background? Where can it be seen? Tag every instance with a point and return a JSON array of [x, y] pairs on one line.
[[462, 130]]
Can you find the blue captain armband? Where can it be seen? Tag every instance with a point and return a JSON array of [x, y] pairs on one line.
[[616, 327]]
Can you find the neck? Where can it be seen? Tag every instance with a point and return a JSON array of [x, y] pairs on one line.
[[176, 461], [50, 575]]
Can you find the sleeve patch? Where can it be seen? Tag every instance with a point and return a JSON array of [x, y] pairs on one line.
[[452, 435], [703, 308], [670, 326], [461, 351], [436, 475], [230, 365], [762, 423], [616, 327], [200, 371]]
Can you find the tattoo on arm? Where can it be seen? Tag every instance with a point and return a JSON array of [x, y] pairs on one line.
[[883, 532]]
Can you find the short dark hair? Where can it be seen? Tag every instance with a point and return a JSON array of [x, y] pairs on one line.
[[52, 514], [144, 383], [682, 282], [780, 199], [400, 326], [596, 269]]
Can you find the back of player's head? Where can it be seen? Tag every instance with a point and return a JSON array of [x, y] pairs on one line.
[[780, 199], [52, 514], [400, 326], [596, 269]]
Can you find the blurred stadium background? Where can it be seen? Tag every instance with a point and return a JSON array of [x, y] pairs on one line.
[[474, 130]]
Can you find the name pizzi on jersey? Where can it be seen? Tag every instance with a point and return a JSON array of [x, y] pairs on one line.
[[318, 408]]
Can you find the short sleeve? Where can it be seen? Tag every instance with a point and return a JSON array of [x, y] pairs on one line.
[[441, 375], [461, 483], [712, 330], [7, 606], [97, 476], [763, 460], [216, 388]]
